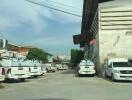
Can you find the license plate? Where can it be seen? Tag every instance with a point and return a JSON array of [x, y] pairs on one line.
[[128, 77], [20, 68]]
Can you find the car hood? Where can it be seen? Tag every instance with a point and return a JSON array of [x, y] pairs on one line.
[[123, 68]]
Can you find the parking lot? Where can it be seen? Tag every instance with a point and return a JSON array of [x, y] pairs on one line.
[[65, 85]]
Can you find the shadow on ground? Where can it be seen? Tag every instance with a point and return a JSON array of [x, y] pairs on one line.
[[70, 71], [117, 81], [15, 81], [1, 86]]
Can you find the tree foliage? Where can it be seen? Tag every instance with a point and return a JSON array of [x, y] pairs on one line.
[[76, 56], [37, 54]]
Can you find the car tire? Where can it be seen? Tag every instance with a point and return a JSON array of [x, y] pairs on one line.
[[35, 76], [79, 75], [112, 78], [22, 79], [105, 75], [93, 75]]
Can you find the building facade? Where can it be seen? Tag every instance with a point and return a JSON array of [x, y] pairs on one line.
[[111, 31]]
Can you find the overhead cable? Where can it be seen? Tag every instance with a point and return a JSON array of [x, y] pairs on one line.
[[53, 8], [63, 4]]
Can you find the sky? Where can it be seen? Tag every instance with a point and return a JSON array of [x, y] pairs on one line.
[[26, 24]]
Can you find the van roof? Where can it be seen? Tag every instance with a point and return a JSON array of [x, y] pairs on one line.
[[118, 60]]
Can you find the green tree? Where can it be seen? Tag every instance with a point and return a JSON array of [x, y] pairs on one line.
[[37, 54], [76, 56]]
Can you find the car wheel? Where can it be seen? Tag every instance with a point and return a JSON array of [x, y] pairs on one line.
[[105, 74], [79, 75], [112, 78], [22, 79], [93, 75], [35, 76]]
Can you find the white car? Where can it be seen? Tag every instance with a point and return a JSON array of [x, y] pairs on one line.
[[43, 69], [15, 69], [59, 67], [50, 67], [118, 69], [65, 67], [2, 74], [86, 67], [34, 68]]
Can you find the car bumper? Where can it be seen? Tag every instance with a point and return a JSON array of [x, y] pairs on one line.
[[2, 78], [86, 72], [36, 73], [52, 70], [44, 72], [123, 77], [17, 76]]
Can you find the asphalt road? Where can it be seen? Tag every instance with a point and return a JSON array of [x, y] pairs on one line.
[[66, 86]]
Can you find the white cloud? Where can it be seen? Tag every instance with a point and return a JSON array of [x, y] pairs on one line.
[[21, 11], [76, 8], [17, 13]]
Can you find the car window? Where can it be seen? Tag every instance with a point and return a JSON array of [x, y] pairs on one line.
[[87, 63], [121, 64]]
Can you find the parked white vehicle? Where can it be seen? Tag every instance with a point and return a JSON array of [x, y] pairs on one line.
[[118, 69], [39, 67], [34, 68], [59, 67], [43, 69], [2, 73], [50, 67], [86, 67], [65, 67], [15, 69]]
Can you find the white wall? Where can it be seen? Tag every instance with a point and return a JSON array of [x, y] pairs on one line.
[[114, 35]]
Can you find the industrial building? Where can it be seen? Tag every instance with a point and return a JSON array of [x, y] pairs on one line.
[[106, 30]]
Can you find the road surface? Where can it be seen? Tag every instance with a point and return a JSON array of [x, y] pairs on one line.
[[66, 86]]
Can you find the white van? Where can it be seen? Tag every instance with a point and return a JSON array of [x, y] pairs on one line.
[[15, 69], [86, 67], [34, 68], [43, 69], [50, 67], [2, 73], [39, 67], [118, 69], [59, 66]]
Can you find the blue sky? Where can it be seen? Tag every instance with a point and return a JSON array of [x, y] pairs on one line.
[[27, 24]]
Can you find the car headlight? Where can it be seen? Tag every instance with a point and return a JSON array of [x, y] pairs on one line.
[[116, 71]]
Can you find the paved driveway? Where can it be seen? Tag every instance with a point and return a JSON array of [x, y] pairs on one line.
[[66, 86]]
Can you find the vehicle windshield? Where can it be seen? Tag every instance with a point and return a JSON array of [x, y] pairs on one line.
[[121, 64], [86, 63]]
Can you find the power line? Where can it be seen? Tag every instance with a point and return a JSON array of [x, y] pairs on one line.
[[63, 4], [53, 8], [66, 8]]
